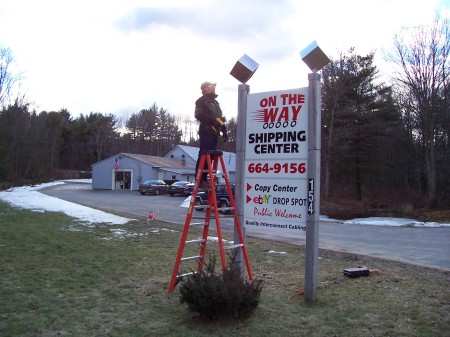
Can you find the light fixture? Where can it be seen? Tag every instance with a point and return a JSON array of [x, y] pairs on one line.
[[314, 57], [244, 69]]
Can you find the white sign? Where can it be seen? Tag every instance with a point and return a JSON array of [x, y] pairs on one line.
[[276, 155]]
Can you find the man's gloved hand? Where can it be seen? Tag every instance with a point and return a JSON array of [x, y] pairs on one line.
[[217, 125], [223, 129]]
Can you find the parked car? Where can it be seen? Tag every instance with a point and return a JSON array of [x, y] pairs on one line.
[[189, 188], [177, 188], [156, 187], [222, 198]]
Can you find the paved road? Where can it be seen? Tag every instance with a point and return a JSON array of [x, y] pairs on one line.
[[424, 246]]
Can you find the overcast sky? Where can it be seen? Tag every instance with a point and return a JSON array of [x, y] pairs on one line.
[[122, 56]]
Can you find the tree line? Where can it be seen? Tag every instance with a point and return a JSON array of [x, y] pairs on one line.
[[36, 145], [382, 140], [390, 142]]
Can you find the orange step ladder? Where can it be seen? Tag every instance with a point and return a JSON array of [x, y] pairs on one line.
[[212, 160]]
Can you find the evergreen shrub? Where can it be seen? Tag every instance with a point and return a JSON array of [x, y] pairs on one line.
[[212, 295]]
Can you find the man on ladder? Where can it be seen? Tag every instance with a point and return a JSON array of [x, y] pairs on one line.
[[209, 114]]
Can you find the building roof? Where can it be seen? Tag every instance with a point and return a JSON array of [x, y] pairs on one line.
[[229, 157], [159, 162], [175, 165]]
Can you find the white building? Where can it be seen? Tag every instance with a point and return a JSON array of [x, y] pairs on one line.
[[190, 155], [127, 170]]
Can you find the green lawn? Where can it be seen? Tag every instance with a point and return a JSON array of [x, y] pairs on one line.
[[60, 278]]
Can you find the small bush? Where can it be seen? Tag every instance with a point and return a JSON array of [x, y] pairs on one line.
[[215, 296]]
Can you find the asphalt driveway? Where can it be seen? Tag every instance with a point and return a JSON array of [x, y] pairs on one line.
[[424, 246]]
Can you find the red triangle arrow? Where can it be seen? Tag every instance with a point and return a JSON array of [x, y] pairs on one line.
[[248, 199], [249, 187]]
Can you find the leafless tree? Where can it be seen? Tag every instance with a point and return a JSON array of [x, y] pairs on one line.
[[421, 56], [7, 78], [189, 126]]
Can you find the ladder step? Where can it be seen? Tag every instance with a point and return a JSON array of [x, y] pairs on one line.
[[180, 278], [195, 241], [201, 207], [197, 223], [233, 246], [197, 257], [211, 216], [222, 209], [212, 152], [186, 274]]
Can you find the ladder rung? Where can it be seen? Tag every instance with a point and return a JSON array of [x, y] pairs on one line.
[[202, 207], [233, 246], [220, 209], [211, 216], [212, 152], [195, 241], [226, 208], [186, 274], [197, 257], [197, 223]]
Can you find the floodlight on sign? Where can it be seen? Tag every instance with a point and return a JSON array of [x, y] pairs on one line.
[[244, 69], [314, 57]]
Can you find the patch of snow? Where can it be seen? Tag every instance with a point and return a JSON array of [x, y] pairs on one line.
[[274, 252], [395, 222], [30, 198]]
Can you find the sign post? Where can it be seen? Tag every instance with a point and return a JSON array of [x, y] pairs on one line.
[[243, 70], [312, 223], [243, 91], [315, 59]]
